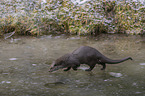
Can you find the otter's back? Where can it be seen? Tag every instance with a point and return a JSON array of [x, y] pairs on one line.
[[86, 54]]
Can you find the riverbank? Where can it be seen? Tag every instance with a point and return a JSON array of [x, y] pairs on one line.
[[91, 18]]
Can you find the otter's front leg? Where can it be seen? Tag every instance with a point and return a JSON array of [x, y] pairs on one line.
[[75, 67], [91, 67], [68, 68]]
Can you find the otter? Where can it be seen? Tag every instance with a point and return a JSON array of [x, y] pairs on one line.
[[83, 55]]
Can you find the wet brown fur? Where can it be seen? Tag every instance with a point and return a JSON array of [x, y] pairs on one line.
[[84, 55]]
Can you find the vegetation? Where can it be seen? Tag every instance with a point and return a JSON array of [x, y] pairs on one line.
[[34, 17]]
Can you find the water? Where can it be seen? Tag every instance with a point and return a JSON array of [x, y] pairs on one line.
[[25, 62]]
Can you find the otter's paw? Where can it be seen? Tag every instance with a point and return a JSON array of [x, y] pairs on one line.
[[88, 70], [65, 70], [102, 68], [75, 69]]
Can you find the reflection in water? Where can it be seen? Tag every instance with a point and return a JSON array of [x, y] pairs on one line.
[[24, 67], [53, 84]]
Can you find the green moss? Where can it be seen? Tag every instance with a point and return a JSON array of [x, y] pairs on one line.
[[91, 18]]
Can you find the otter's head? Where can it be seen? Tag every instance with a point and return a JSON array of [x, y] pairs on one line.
[[60, 63], [57, 65]]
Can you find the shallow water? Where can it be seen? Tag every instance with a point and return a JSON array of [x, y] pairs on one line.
[[25, 61]]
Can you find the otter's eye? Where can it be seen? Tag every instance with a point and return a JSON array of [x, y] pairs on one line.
[[54, 65]]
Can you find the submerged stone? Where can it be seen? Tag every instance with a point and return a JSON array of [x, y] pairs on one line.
[[13, 59], [142, 63], [115, 74]]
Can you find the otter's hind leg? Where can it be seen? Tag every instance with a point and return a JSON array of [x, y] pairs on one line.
[[68, 68], [104, 66]]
